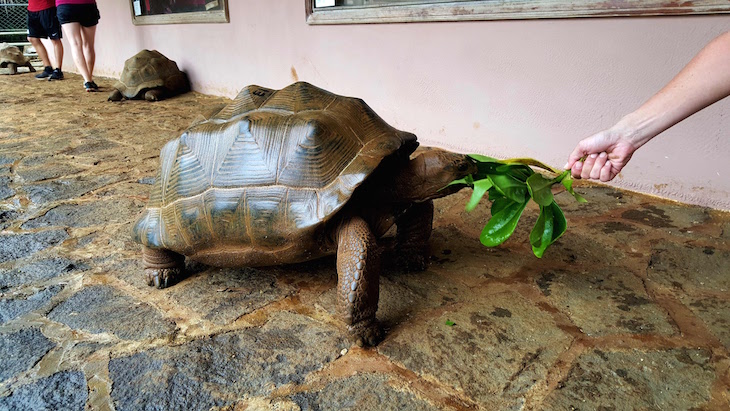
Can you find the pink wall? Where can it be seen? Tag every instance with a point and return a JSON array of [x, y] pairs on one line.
[[504, 88]]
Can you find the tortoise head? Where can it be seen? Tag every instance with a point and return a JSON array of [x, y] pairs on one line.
[[429, 174]]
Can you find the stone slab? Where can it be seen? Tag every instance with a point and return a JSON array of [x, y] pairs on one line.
[[220, 369], [103, 309], [677, 379], [21, 350]]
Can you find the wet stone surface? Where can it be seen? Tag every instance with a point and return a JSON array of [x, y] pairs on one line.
[[61, 391], [518, 341], [221, 368], [237, 292], [360, 392], [626, 311], [16, 305], [92, 308], [690, 267], [38, 270], [88, 215], [635, 380], [20, 350], [15, 246], [625, 308], [62, 189]]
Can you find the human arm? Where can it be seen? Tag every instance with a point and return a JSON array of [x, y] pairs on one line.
[[702, 82]]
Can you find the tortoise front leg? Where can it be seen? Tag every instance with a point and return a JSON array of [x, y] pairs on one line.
[[12, 68], [414, 231], [155, 94], [162, 267], [358, 272]]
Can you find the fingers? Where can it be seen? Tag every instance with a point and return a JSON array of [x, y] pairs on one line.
[[576, 169], [607, 173], [588, 166], [576, 155], [595, 173]]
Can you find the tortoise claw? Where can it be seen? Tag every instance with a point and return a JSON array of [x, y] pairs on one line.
[[366, 333], [412, 261], [161, 277]]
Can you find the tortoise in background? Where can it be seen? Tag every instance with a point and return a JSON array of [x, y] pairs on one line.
[[149, 75], [290, 175], [11, 58]]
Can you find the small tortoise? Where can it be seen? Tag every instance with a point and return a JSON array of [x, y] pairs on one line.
[[285, 176], [149, 75], [11, 58]]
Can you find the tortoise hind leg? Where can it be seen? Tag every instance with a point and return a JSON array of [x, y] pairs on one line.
[[358, 272], [162, 267], [414, 231]]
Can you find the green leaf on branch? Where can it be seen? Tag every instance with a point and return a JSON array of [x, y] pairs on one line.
[[483, 159], [480, 188], [531, 162], [540, 189], [549, 227], [519, 171], [468, 181], [510, 187], [510, 184], [568, 184], [503, 222]]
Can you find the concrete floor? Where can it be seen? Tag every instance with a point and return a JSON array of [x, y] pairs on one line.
[[629, 310]]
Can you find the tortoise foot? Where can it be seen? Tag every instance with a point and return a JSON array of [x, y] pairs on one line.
[[366, 333], [410, 260], [162, 277]]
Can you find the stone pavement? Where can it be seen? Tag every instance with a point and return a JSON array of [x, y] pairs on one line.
[[628, 310]]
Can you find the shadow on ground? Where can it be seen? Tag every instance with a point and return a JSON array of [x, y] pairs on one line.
[[629, 310]]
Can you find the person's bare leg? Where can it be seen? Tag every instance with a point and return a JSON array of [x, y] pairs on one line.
[[58, 52], [72, 32], [40, 49], [87, 35]]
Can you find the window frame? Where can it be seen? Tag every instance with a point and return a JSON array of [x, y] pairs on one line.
[[214, 16], [505, 10]]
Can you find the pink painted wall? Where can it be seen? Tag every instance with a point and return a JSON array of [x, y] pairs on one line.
[[504, 88]]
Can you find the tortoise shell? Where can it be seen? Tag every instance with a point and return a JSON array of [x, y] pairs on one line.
[[265, 173], [149, 69], [11, 54]]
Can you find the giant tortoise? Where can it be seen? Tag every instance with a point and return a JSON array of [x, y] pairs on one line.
[[290, 175], [11, 58], [149, 75]]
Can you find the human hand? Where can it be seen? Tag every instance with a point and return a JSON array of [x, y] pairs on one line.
[[606, 153]]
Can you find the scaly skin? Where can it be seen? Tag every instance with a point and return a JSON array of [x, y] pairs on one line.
[[414, 231], [162, 267], [155, 94], [358, 271]]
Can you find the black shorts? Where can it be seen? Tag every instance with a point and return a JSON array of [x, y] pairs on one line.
[[85, 14], [44, 24]]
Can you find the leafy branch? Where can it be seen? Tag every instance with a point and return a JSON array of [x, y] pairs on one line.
[[510, 184]]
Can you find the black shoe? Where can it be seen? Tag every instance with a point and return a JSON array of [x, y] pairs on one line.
[[45, 73], [90, 86], [56, 75]]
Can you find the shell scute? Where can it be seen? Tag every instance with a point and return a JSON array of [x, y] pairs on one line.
[[268, 170], [11, 54], [150, 69]]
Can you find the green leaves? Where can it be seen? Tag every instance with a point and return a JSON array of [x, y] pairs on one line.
[[505, 215], [549, 227], [511, 184], [480, 188], [540, 189]]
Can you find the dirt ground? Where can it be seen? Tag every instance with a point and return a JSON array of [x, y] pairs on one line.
[[628, 310]]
